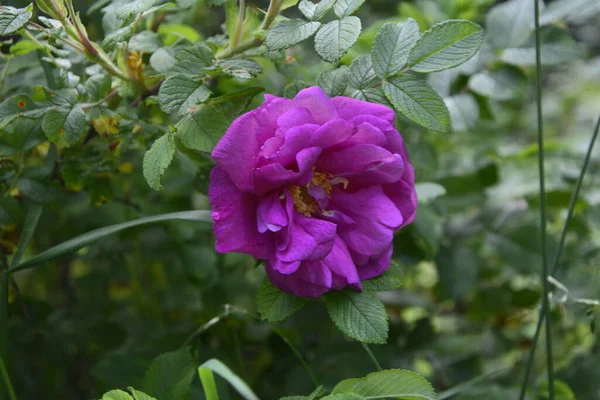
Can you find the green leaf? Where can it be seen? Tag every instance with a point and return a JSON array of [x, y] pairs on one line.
[[24, 47], [146, 41], [208, 384], [561, 389], [31, 221], [392, 47], [335, 38], [571, 10], [343, 8], [133, 8], [392, 279], [240, 68], [158, 159], [334, 82], [446, 45], [360, 315], [138, 395], [464, 112], [111, 40], [290, 32], [499, 84], [202, 129], [179, 93], [162, 60], [41, 192], [194, 60], [427, 191], [373, 95], [551, 54], [362, 74], [314, 11], [20, 106], [291, 90], [343, 396], [88, 238], [275, 305], [417, 101], [397, 383], [509, 24], [13, 19], [458, 268], [97, 86], [222, 370], [319, 391], [170, 375], [116, 395], [65, 126]]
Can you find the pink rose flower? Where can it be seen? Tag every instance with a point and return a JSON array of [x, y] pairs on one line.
[[314, 186]]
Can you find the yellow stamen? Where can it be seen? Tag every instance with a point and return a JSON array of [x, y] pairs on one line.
[[304, 202]]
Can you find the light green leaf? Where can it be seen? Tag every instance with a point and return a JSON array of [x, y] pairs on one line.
[[170, 375], [417, 101], [290, 32], [362, 74], [97, 86], [138, 395], [116, 395], [288, 4], [335, 38], [221, 369], [88, 238], [120, 35], [65, 126], [202, 128], [179, 93], [360, 315], [499, 84], [427, 191], [446, 45], [571, 10], [397, 383], [551, 54], [24, 47], [343, 8], [172, 32], [334, 82], [194, 60], [343, 396], [391, 279], [240, 68], [275, 305], [373, 95], [319, 391], [12, 19], [162, 60], [392, 46], [509, 24], [146, 41], [158, 159], [314, 11], [464, 112], [208, 384], [133, 8]]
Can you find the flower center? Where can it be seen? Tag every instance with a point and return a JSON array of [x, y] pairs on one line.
[[304, 202]]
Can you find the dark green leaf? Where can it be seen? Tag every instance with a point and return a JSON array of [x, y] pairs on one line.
[[162, 60], [392, 47], [362, 74], [170, 375], [275, 305], [397, 383], [97, 86], [391, 279], [240, 68], [334, 82], [194, 60], [120, 35], [360, 315], [40, 192], [65, 126], [458, 268], [201, 129], [158, 159], [138, 395], [179, 93], [336, 37], [31, 221], [373, 95], [290, 32], [291, 90]]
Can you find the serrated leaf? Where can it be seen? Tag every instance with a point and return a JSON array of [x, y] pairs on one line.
[[551, 54], [509, 24], [202, 129], [500, 84], [362, 74], [116, 395], [179, 93], [391, 279], [12, 19], [275, 305], [133, 8], [138, 395], [193, 60], [373, 95], [290, 32], [19, 105], [334, 82], [240, 68], [335, 38], [446, 45], [360, 315], [97, 86], [318, 392], [343, 396], [314, 11], [464, 112], [65, 126], [222, 370], [417, 101], [291, 89], [162, 60], [343, 8], [158, 159], [120, 35], [170, 375], [146, 41], [397, 383], [392, 47]]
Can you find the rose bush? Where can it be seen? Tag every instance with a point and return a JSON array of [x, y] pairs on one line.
[[314, 186]]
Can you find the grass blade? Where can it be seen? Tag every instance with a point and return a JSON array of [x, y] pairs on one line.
[[223, 370], [6, 379], [31, 221], [208, 383], [87, 238]]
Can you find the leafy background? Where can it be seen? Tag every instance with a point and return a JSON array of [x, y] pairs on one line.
[[145, 307]]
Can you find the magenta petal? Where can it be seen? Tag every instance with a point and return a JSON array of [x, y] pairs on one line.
[[271, 214], [284, 267], [376, 218], [375, 265], [340, 263], [234, 215], [309, 239], [404, 196], [317, 102], [349, 108], [332, 133], [275, 176], [295, 116], [237, 149], [366, 133], [294, 140], [310, 280]]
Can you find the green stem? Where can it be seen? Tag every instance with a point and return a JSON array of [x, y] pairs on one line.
[[305, 365], [559, 250], [239, 28], [5, 377], [371, 355], [4, 74]]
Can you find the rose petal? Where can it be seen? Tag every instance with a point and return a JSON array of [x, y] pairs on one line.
[[318, 103], [309, 239], [274, 176], [271, 214], [404, 197], [332, 133], [295, 116], [375, 265], [348, 108]]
